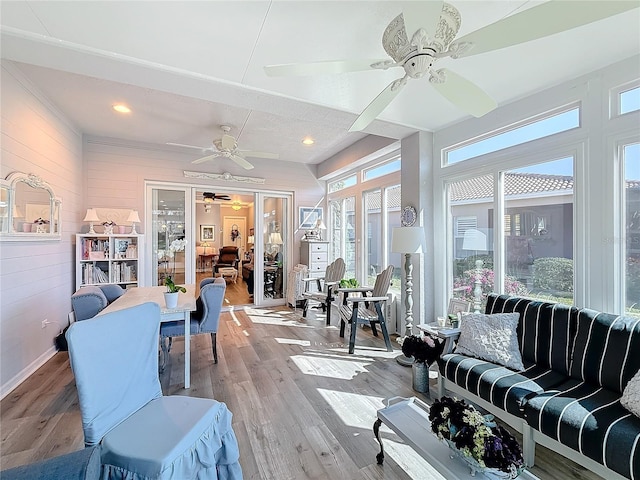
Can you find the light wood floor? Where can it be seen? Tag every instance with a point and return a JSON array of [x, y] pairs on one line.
[[302, 407]]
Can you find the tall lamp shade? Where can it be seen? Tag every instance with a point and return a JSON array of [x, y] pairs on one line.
[[133, 218], [275, 238], [407, 240], [91, 216]]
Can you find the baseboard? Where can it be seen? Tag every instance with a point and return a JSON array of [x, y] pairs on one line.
[[12, 384]]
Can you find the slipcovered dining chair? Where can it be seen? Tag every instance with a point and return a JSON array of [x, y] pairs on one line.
[[366, 306], [140, 432], [90, 300], [325, 287], [205, 319]]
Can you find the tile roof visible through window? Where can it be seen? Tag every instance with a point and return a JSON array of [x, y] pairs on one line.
[[515, 184]]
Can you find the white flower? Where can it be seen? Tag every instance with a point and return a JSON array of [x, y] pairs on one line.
[[177, 246]]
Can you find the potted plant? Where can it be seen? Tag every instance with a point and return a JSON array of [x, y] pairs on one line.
[[171, 295], [349, 283], [424, 350]]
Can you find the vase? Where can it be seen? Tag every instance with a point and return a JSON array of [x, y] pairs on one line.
[[122, 229], [474, 466], [171, 299], [420, 377]]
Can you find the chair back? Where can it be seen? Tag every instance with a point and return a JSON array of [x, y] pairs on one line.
[[209, 303], [87, 302], [383, 282], [228, 255], [335, 271], [114, 358]]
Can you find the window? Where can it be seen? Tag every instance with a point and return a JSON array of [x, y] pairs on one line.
[[381, 169], [538, 238], [346, 182], [343, 238], [630, 100], [532, 130], [631, 155]]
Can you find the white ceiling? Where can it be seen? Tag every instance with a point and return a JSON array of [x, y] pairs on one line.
[[187, 67]]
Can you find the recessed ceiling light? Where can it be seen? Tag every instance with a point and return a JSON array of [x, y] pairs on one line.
[[308, 141], [121, 108]]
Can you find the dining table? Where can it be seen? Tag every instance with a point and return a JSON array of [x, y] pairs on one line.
[[182, 312]]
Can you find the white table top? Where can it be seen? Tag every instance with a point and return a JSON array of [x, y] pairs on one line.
[[139, 295]]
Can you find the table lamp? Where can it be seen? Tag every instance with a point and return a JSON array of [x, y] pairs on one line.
[[204, 245], [407, 240], [133, 218], [319, 227], [91, 216]]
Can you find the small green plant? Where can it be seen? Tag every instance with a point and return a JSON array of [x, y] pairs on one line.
[[350, 283], [172, 287]]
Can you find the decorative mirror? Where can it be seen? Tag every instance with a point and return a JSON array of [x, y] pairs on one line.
[[29, 209]]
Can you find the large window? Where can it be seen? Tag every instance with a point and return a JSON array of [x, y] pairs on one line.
[[343, 233], [632, 227]]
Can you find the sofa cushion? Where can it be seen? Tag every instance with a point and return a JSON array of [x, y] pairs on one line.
[[590, 420], [605, 349], [545, 332], [491, 337], [496, 384], [631, 395]]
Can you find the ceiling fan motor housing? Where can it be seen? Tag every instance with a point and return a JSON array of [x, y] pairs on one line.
[[396, 41]]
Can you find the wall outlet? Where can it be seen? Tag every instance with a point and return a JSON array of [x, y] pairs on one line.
[[45, 322]]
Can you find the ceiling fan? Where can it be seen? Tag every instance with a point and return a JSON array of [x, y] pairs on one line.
[[209, 197], [227, 147], [425, 31]]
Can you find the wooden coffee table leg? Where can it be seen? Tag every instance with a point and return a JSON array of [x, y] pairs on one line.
[[376, 432]]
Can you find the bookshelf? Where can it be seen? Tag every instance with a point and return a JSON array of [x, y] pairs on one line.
[[102, 259]]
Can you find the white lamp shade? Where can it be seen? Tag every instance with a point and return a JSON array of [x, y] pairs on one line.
[[133, 217], [275, 238], [251, 239], [320, 225], [91, 215], [407, 240], [474, 240]]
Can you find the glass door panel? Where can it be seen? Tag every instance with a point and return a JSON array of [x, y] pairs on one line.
[[170, 239], [272, 246]]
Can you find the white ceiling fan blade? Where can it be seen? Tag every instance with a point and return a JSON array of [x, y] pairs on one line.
[[250, 153], [241, 161], [551, 17], [465, 94], [421, 14], [378, 104], [187, 146], [320, 68], [204, 159], [228, 142]]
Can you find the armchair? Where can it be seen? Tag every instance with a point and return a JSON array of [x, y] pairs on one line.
[[205, 319], [88, 301], [227, 257], [326, 287], [141, 433], [366, 308]]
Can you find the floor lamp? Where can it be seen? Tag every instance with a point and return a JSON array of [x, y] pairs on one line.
[[476, 240], [407, 240]]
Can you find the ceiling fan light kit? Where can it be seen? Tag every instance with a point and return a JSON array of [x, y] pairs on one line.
[[426, 31]]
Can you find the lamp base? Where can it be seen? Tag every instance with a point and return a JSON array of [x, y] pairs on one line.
[[404, 360]]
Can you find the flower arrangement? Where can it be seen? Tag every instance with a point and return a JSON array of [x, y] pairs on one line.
[[41, 221], [478, 439], [465, 284], [426, 349]]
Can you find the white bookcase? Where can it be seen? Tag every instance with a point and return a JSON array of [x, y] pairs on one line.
[[115, 258]]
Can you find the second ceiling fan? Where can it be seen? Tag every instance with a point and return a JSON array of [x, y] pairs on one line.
[[227, 147]]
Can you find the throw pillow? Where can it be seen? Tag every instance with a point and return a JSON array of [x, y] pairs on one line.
[[631, 395], [491, 337]]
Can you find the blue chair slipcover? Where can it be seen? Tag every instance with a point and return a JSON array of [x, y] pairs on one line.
[[205, 319], [88, 301], [141, 433]]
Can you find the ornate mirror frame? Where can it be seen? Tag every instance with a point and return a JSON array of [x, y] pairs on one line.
[[17, 208]]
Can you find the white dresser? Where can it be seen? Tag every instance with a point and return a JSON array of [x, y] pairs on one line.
[[316, 256]]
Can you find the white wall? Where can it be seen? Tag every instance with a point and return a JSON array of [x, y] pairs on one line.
[[36, 278]]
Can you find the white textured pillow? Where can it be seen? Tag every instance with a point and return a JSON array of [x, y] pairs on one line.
[[492, 338], [631, 395]]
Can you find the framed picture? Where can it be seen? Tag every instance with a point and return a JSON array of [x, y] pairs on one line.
[[456, 305], [207, 233], [309, 216]]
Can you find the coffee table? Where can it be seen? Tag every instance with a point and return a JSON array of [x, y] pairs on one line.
[[409, 419]]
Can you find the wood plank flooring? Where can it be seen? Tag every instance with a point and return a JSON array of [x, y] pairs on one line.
[[302, 407]]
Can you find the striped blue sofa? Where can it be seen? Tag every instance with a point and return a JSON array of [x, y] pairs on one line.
[[577, 363]]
